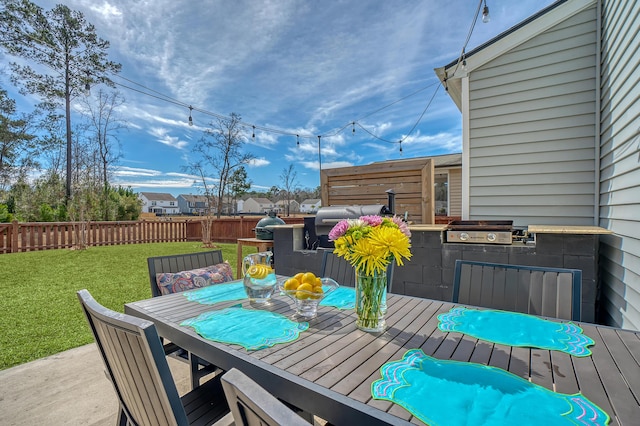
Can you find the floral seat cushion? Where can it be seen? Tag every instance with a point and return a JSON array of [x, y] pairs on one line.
[[175, 282]]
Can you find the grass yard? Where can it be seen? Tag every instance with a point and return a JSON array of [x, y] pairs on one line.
[[39, 311]]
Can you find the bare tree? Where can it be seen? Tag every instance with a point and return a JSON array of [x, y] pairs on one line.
[[104, 124], [221, 149], [289, 184]]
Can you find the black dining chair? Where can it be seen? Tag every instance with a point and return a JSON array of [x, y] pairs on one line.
[[546, 291], [138, 369], [252, 405], [178, 263]]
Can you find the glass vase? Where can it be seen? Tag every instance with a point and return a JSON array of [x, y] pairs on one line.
[[371, 301]]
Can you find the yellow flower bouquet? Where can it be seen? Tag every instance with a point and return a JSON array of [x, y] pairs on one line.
[[370, 244]]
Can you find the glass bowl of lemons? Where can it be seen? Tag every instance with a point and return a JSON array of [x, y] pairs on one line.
[[306, 290]]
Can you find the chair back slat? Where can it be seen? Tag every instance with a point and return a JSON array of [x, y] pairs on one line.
[[179, 263], [135, 362], [550, 292]]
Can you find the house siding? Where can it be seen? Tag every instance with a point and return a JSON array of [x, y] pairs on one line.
[[620, 163], [455, 192], [531, 129]]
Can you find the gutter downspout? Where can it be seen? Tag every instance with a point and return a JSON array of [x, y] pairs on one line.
[[598, 114], [464, 93]]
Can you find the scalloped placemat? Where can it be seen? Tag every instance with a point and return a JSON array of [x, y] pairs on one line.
[[251, 328], [463, 393], [217, 293], [517, 329]]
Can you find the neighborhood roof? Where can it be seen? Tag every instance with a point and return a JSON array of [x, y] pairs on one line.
[[311, 201], [193, 198], [158, 196]]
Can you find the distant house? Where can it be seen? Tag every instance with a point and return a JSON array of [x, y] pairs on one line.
[[159, 203], [550, 118], [193, 204], [257, 205], [281, 207], [310, 205]]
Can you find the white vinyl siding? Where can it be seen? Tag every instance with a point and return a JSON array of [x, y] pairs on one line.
[[455, 192], [532, 129], [620, 164]]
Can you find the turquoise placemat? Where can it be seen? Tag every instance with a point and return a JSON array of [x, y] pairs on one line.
[[516, 329], [341, 298], [217, 293], [251, 328], [442, 393]]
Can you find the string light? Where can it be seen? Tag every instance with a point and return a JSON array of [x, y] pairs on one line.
[[464, 61], [253, 134], [485, 13], [298, 140], [190, 117], [353, 130], [400, 142]]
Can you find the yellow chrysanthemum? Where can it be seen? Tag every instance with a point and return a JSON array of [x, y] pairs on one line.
[[392, 242], [367, 257]]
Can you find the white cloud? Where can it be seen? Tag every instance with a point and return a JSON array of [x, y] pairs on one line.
[[162, 136], [259, 162]]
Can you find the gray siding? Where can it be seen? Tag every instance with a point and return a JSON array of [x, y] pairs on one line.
[[532, 129], [620, 163]]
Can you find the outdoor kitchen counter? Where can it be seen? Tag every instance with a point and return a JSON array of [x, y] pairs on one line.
[[564, 229], [427, 228]]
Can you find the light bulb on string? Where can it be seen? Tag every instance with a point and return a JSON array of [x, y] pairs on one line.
[[485, 13], [353, 129], [400, 142], [190, 117], [464, 62], [297, 140], [253, 135]]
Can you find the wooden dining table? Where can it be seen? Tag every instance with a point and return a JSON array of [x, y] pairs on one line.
[[328, 370]]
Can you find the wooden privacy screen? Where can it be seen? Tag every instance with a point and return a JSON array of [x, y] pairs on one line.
[[412, 181]]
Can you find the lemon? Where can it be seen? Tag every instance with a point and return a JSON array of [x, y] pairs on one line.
[[291, 284], [259, 271], [304, 290], [298, 276], [309, 278], [318, 293]]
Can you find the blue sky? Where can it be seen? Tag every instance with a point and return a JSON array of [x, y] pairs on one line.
[[292, 67]]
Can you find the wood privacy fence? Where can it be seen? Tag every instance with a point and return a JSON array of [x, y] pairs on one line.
[[20, 237], [411, 180]]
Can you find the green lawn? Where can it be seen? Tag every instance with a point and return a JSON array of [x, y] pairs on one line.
[[39, 310]]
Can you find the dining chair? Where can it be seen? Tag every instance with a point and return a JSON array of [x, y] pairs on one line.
[[138, 369], [545, 291], [174, 264], [251, 404], [343, 272]]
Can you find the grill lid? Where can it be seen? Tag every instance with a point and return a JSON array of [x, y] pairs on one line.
[[481, 225]]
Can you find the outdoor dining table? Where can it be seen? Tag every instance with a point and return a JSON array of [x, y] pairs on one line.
[[329, 368]]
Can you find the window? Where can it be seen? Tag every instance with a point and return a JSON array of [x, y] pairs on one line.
[[441, 190], [153, 203]]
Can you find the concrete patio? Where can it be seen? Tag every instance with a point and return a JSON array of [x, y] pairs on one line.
[[69, 388]]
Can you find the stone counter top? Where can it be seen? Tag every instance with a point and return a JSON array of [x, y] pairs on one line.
[[567, 229], [435, 227]]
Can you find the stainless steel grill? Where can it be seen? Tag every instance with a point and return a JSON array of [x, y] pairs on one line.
[[480, 231]]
